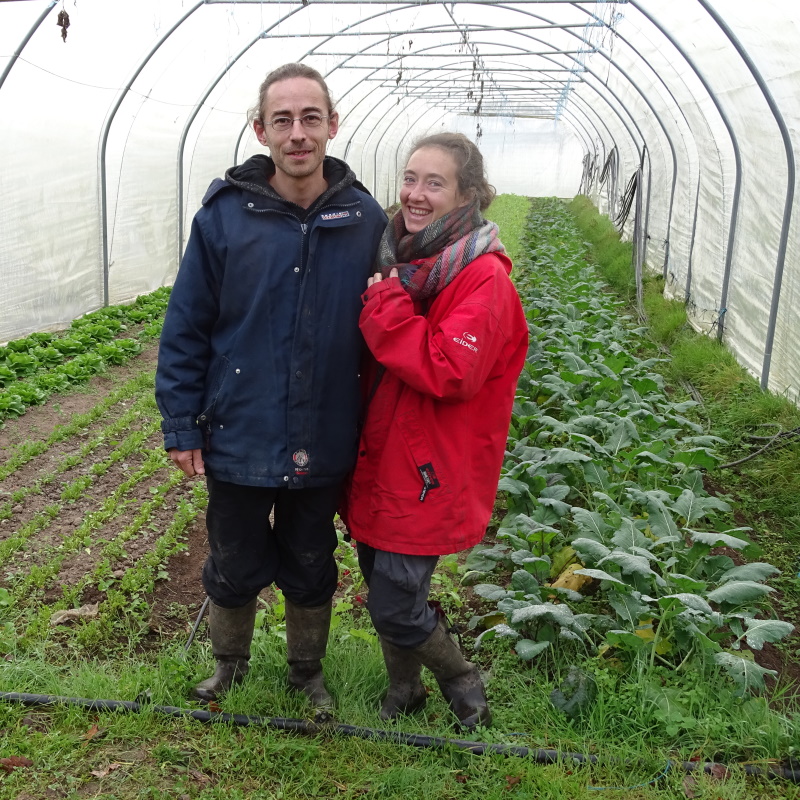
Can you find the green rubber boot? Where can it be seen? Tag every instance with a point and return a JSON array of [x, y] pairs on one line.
[[406, 693], [306, 642], [231, 632], [458, 679]]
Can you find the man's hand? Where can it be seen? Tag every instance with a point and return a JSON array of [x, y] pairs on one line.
[[190, 462], [377, 277]]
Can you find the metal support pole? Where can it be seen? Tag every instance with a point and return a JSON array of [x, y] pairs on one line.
[[25, 40], [104, 143], [737, 156], [788, 202]]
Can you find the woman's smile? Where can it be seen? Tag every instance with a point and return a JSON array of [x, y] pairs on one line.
[[430, 188]]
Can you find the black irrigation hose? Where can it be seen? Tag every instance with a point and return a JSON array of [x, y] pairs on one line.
[[785, 437], [783, 434], [541, 756], [609, 165], [627, 201]]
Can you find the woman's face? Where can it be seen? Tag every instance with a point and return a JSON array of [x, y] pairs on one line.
[[430, 188]]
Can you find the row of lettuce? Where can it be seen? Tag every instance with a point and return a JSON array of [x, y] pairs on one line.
[[39, 365], [610, 544]]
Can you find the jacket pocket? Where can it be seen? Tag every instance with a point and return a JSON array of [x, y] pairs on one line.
[[409, 495], [218, 373], [429, 467]]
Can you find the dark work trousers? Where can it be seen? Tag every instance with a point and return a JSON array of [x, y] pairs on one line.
[[399, 585], [247, 553]]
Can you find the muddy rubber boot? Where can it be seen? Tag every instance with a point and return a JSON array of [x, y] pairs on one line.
[[458, 679], [231, 632], [306, 641], [406, 693]]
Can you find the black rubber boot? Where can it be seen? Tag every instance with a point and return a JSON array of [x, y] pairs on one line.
[[458, 679], [231, 632], [406, 693], [306, 642]]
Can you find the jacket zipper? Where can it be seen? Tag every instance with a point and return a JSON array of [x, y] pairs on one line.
[[289, 214], [303, 251]]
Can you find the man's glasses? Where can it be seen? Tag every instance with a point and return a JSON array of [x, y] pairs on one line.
[[307, 121]]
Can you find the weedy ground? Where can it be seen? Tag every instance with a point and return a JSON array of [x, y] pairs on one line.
[[93, 517]]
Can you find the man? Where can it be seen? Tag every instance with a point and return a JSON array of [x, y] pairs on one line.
[[258, 373]]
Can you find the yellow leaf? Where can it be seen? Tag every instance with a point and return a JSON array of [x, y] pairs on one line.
[[664, 646], [490, 620], [561, 559], [569, 580], [606, 652], [644, 630]]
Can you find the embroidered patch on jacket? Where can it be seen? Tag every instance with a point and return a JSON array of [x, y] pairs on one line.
[[468, 340], [335, 215], [300, 457], [429, 479]]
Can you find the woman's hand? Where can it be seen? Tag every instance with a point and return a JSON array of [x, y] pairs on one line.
[[377, 277]]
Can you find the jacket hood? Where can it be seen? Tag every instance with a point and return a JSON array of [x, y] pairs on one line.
[[254, 174]]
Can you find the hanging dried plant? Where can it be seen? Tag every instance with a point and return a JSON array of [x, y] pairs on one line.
[[63, 23]]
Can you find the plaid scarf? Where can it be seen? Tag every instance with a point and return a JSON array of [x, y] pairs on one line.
[[445, 247]]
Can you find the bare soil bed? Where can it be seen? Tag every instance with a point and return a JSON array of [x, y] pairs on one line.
[[86, 496]]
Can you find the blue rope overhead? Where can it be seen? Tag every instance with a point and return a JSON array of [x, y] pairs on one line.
[[596, 34]]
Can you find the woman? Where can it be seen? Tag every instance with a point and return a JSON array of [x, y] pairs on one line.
[[448, 338]]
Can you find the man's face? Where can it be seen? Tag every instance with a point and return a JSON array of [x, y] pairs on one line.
[[298, 151]]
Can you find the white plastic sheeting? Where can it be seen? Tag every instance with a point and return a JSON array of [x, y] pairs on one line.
[[691, 78], [109, 140]]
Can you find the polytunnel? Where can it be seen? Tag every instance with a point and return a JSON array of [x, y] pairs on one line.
[[679, 120]]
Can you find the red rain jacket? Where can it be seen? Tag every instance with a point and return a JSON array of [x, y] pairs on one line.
[[436, 426]]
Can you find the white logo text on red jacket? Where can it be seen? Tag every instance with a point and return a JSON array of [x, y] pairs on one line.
[[468, 340]]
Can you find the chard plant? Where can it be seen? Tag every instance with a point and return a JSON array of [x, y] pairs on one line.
[[610, 540]]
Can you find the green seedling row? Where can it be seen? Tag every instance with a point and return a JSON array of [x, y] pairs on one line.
[[18, 539], [125, 604], [77, 487], [112, 507], [101, 576], [30, 450], [68, 462]]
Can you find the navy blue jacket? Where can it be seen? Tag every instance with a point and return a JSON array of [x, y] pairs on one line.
[[260, 351]]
